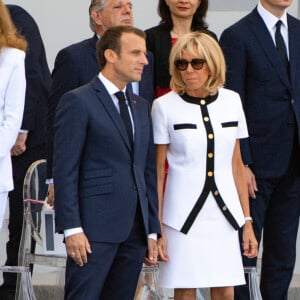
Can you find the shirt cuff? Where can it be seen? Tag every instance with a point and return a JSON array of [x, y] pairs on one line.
[[49, 180], [23, 131], [72, 231], [152, 236]]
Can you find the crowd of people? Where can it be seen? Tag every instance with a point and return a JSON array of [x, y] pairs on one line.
[[163, 146]]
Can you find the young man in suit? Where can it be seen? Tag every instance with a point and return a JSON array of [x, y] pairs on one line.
[[105, 176], [30, 143], [77, 64], [262, 54]]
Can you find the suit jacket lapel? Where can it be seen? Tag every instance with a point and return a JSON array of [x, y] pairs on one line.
[[262, 34], [108, 104], [294, 48]]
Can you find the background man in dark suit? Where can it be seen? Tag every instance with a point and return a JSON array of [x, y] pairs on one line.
[[105, 176], [30, 144], [77, 64], [264, 67]]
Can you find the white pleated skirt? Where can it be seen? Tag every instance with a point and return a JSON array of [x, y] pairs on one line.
[[208, 256]]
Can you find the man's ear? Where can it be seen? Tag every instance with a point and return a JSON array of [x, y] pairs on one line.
[[110, 56], [97, 17]]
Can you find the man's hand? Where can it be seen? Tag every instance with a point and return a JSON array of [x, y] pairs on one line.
[[20, 144], [151, 258], [251, 182], [78, 247]]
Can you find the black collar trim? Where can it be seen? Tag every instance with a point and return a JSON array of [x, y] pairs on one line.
[[195, 100]]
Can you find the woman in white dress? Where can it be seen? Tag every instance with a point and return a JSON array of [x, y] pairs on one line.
[[197, 127], [12, 97]]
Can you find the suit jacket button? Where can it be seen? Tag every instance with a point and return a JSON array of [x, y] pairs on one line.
[[134, 187]]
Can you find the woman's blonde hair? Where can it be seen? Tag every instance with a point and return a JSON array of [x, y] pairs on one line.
[[200, 45], [9, 37]]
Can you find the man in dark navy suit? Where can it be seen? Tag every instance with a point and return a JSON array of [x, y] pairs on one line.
[[262, 54], [105, 175], [30, 144], [77, 64]]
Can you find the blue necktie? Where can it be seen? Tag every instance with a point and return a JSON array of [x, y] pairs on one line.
[[125, 115]]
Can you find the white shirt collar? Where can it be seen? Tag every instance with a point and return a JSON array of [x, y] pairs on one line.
[[111, 88], [269, 19]]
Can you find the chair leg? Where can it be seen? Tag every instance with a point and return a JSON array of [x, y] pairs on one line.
[[25, 289], [148, 287], [253, 284]]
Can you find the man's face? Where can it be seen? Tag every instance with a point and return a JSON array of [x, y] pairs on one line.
[[276, 7], [129, 64], [115, 12]]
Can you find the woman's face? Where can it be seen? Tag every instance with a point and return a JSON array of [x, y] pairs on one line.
[[183, 8], [193, 79]]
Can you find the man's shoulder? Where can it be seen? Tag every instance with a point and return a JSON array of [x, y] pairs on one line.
[[86, 88], [241, 25], [80, 46], [24, 22], [293, 21], [16, 10]]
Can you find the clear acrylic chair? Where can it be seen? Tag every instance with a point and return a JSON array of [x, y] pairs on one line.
[[253, 284], [148, 287], [36, 237], [25, 280]]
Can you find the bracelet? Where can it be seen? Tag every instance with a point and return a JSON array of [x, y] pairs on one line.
[[249, 219]]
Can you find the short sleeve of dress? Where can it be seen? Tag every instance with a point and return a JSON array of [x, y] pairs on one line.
[[242, 124], [159, 119]]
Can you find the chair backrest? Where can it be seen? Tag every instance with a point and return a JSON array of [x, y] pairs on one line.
[[35, 192], [34, 231], [35, 187]]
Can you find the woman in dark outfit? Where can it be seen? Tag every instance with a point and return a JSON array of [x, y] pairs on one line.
[[177, 18]]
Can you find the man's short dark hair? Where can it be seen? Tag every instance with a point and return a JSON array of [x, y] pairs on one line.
[[111, 40]]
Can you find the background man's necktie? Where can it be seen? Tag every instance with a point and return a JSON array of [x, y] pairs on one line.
[[281, 47], [125, 115]]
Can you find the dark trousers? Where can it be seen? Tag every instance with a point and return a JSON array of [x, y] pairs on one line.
[[112, 270], [20, 166], [275, 210]]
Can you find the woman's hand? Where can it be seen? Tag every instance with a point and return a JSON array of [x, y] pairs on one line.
[[162, 248], [250, 245]]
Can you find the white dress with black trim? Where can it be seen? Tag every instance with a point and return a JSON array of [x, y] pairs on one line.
[[202, 211]]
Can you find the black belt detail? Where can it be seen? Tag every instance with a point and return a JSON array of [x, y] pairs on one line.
[[196, 209], [209, 187], [224, 209]]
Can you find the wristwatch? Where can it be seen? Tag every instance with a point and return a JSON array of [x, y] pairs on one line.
[[249, 219]]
